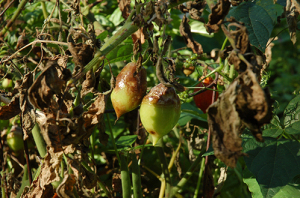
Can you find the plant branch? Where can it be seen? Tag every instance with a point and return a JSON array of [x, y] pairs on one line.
[[14, 17]]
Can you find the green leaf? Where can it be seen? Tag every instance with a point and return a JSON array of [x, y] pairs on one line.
[[116, 17], [126, 141], [274, 163], [292, 112], [273, 129], [293, 129], [103, 35], [121, 53], [290, 190], [189, 112], [260, 25], [210, 151], [253, 186]]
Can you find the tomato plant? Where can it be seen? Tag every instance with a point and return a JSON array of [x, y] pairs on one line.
[[233, 133]]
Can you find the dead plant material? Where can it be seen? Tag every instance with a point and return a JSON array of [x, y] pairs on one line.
[[11, 110], [185, 31], [82, 53], [65, 189], [241, 55], [194, 8], [124, 6], [243, 104], [47, 84], [292, 12], [218, 13]]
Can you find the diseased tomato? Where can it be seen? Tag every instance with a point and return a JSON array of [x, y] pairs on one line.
[[130, 89], [204, 100], [160, 111]]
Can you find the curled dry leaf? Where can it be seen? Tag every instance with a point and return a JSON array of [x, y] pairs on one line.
[[47, 84], [28, 114], [292, 14], [218, 13], [124, 6], [41, 187], [11, 110], [82, 53], [243, 104], [185, 31], [65, 189]]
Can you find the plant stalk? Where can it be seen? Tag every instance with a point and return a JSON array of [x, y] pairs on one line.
[[125, 178], [136, 177], [187, 175], [14, 17], [165, 171], [39, 141]]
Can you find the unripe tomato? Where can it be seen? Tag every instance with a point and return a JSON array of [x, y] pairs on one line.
[[130, 89], [160, 111], [15, 141], [7, 83], [204, 100]]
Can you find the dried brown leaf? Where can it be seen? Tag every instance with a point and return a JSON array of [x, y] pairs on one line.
[[185, 31], [292, 14], [65, 189], [124, 6], [11, 110], [82, 53], [218, 13], [243, 104], [95, 113], [47, 84]]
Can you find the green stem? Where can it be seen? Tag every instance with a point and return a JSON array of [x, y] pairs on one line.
[[136, 177], [44, 10], [14, 17], [165, 171], [200, 177], [224, 43], [187, 175], [231, 72], [125, 178], [113, 138], [39, 141]]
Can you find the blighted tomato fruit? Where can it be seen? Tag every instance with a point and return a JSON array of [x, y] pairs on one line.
[[160, 111], [130, 89], [204, 100]]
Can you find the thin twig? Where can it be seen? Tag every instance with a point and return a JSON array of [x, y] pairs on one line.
[[33, 43], [6, 8]]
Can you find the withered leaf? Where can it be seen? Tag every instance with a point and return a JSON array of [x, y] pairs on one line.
[[45, 86], [124, 6], [292, 14], [95, 112], [28, 114], [65, 189], [82, 53], [11, 110], [185, 31], [218, 13], [243, 104]]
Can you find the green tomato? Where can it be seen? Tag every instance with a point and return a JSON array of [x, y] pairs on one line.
[[7, 83], [160, 111], [15, 141]]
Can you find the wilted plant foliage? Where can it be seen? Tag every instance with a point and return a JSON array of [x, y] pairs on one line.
[[83, 82]]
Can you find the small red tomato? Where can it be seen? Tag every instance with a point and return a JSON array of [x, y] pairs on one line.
[[204, 100]]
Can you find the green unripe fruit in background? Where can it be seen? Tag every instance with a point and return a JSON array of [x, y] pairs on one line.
[[160, 111], [15, 141], [7, 83], [130, 89]]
